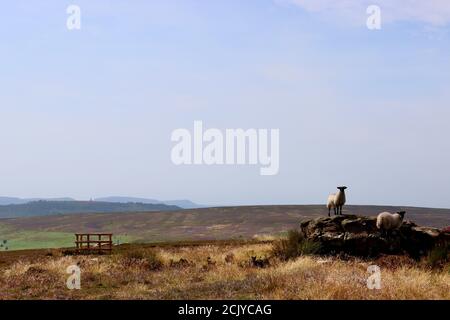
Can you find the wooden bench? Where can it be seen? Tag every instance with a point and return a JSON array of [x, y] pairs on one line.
[[94, 242]]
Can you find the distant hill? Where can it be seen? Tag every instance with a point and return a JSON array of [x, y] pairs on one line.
[[43, 208], [120, 199], [4, 201], [9, 200], [185, 204]]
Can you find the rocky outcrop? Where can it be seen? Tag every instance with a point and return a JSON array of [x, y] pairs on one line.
[[358, 235]]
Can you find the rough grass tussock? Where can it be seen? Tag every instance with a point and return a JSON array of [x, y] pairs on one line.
[[202, 272], [293, 246]]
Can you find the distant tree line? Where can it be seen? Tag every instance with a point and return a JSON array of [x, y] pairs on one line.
[[42, 208]]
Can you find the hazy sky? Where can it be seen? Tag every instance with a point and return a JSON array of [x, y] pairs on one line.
[[90, 112]]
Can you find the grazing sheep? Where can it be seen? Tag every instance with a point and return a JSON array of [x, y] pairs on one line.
[[336, 201], [387, 221]]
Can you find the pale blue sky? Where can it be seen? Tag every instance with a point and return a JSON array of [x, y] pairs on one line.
[[89, 113]]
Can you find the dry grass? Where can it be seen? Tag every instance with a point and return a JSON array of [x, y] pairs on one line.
[[216, 271]]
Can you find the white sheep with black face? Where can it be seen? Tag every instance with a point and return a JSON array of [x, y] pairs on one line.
[[387, 221], [336, 201]]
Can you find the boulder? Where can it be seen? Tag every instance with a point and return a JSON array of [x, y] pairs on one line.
[[359, 236]]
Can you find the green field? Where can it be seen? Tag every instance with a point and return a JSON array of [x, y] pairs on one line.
[[34, 239], [20, 240]]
